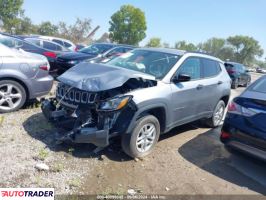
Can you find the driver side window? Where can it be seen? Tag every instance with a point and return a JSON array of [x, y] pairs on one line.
[[191, 67]]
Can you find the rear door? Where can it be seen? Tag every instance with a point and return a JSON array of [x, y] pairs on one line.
[[187, 96], [214, 85]]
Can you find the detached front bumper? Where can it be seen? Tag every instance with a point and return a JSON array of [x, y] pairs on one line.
[[90, 135]]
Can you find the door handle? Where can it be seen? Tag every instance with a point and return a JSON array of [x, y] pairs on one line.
[[199, 87], [220, 82]]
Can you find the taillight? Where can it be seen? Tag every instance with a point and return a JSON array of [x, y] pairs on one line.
[[76, 49], [225, 135], [234, 108], [50, 54], [44, 67]]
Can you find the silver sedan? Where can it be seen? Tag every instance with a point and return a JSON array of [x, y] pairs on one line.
[[23, 76]]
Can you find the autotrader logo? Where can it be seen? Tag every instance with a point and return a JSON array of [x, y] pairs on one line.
[[27, 193]]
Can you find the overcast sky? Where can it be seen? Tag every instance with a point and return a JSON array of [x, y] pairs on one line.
[[171, 20]]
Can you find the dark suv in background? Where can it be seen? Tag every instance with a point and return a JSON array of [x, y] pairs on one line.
[[238, 73]]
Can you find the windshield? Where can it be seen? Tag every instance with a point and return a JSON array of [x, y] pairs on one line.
[[260, 86], [96, 48], [154, 63]]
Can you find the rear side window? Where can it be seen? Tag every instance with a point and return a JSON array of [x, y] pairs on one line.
[[49, 45], [58, 41], [67, 45], [191, 67], [260, 86], [210, 67]]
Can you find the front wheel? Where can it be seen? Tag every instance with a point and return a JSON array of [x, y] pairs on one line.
[[143, 138], [217, 116]]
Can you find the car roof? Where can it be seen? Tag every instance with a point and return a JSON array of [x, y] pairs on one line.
[[180, 52], [232, 63], [56, 38], [164, 50]]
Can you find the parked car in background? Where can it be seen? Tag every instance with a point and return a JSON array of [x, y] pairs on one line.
[[46, 44], [112, 53], [94, 51], [23, 76], [238, 73], [66, 43], [21, 43], [259, 70], [138, 96], [244, 127]]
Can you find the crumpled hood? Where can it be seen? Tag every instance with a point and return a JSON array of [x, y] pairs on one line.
[[99, 77]]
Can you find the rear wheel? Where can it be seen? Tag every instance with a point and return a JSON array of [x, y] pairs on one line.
[[143, 138], [235, 84], [12, 96], [247, 83], [217, 116]]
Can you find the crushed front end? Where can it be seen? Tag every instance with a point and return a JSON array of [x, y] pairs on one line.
[[89, 117]]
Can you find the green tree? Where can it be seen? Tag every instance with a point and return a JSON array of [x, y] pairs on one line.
[[217, 47], [47, 28], [245, 48], [76, 32], [128, 25], [183, 45], [154, 42], [9, 12], [25, 26]]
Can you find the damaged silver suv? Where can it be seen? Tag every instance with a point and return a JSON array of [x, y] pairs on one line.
[[138, 96]]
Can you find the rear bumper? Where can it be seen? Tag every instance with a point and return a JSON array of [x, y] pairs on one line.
[[40, 86], [250, 150], [243, 137]]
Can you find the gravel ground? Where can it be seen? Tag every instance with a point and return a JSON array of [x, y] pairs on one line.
[[26, 140]]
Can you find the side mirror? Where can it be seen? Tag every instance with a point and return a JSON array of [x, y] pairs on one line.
[[181, 78]]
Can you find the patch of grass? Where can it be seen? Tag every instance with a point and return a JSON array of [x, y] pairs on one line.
[[110, 191], [74, 183], [58, 167], [1, 120], [71, 150], [43, 153]]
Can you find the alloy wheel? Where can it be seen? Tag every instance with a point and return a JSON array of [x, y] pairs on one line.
[[146, 137], [10, 97]]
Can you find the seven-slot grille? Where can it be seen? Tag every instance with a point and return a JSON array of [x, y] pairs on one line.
[[74, 95]]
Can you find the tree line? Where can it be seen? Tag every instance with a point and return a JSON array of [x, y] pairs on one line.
[[128, 26], [238, 48]]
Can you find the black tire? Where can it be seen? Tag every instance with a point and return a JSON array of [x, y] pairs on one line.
[[129, 140], [212, 122], [20, 90], [247, 83], [234, 84]]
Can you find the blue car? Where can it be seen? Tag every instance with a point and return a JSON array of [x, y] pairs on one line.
[[244, 127]]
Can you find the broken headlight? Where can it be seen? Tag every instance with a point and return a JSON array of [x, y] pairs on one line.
[[114, 104]]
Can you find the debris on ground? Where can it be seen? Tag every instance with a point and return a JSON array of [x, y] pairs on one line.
[[131, 192], [42, 167]]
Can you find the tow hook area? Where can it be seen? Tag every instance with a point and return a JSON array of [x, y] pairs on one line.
[[78, 134], [94, 136]]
